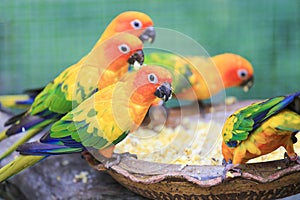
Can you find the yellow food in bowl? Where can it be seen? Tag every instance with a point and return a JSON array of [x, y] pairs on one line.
[[189, 144]]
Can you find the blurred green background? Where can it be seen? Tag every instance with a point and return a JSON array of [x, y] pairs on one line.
[[38, 39]]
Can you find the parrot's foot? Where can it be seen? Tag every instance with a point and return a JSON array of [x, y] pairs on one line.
[[289, 160], [116, 159], [229, 168], [102, 162]]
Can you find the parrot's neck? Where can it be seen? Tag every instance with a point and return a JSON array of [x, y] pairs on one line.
[[138, 113], [136, 103], [225, 73], [109, 76]]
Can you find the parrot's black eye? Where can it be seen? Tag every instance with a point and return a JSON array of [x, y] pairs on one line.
[[124, 48], [136, 24], [152, 78], [242, 73]]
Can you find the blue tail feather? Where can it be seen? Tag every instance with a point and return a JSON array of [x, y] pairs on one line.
[[43, 149], [263, 115], [29, 101], [63, 141]]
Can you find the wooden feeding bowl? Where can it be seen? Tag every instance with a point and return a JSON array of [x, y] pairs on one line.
[[265, 180]]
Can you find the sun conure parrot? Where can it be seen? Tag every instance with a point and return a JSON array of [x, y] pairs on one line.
[[100, 122], [103, 66], [196, 78], [261, 128], [133, 22], [235, 71], [192, 78]]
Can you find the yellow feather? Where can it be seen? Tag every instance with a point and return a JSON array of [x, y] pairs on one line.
[[259, 138], [251, 147]]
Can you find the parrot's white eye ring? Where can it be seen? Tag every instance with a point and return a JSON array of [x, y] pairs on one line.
[[152, 78], [124, 48], [242, 73], [136, 24]]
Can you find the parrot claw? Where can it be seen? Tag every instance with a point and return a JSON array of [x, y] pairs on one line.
[[228, 169], [105, 163], [289, 160], [116, 159]]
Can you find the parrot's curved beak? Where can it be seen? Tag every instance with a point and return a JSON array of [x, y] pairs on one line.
[[247, 84], [148, 35], [164, 91], [137, 59]]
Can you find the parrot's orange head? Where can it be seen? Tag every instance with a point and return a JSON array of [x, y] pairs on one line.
[[114, 56], [122, 50], [136, 23], [235, 70], [151, 82]]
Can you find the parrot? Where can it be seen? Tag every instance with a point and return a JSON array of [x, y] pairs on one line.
[[235, 71], [100, 122], [104, 65], [261, 128], [197, 78], [134, 22]]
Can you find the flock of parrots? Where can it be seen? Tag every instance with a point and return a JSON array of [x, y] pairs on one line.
[[95, 103]]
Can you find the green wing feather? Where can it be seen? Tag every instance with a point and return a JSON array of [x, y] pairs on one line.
[[179, 67], [67, 91], [81, 127], [53, 99], [244, 121]]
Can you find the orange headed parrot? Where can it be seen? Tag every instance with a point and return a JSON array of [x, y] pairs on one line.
[[136, 23], [100, 122], [103, 66], [235, 71], [261, 128]]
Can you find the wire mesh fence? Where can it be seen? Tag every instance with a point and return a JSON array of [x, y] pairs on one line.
[[38, 39]]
